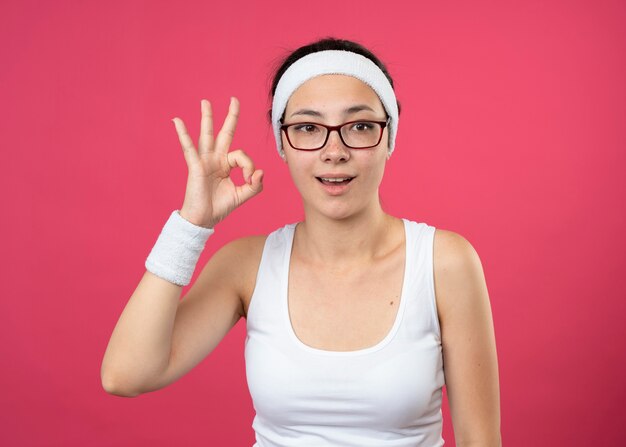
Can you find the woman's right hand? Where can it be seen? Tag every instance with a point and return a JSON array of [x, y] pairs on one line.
[[211, 195]]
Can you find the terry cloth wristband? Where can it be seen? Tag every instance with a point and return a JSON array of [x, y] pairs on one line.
[[334, 62], [176, 252]]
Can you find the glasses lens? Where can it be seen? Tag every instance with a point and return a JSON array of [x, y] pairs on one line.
[[361, 133], [306, 135]]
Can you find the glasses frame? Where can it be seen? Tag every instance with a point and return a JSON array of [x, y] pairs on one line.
[[329, 129]]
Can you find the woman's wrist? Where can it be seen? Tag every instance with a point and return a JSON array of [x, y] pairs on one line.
[[189, 217], [177, 250]]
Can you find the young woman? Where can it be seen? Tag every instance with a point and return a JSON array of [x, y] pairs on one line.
[[355, 318]]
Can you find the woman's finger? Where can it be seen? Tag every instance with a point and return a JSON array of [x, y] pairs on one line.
[[186, 143], [226, 133], [241, 159], [205, 141], [244, 192]]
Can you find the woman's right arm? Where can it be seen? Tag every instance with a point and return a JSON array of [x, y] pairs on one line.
[[158, 338]]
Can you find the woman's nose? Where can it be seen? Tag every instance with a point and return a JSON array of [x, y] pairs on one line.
[[334, 146]]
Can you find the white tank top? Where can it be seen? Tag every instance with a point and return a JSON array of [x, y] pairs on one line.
[[388, 394]]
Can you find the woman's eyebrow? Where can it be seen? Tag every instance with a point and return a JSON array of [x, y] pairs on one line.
[[348, 111]]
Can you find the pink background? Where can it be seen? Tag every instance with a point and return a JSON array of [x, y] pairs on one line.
[[512, 134]]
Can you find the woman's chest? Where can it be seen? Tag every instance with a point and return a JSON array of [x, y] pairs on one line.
[[344, 310]]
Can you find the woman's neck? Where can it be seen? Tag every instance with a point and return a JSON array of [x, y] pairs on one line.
[[338, 242]]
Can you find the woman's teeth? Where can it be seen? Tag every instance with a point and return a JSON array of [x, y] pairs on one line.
[[335, 181]]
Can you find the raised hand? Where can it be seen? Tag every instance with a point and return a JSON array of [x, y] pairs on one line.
[[211, 195]]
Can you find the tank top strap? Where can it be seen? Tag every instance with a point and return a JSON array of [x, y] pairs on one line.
[[265, 308], [420, 314]]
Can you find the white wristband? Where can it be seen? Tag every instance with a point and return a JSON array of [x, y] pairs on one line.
[[176, 252]]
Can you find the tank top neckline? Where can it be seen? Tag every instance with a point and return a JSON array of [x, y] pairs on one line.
[[284, 298]]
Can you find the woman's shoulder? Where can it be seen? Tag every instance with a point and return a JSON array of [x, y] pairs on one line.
[[451, 248], [244, 250], [244, 253], [458, 271]]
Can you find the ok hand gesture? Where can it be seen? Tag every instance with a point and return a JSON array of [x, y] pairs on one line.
[[211, 195]]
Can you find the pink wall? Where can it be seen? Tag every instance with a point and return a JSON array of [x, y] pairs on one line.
[[512, 134]]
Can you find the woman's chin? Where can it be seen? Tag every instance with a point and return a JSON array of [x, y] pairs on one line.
[[333, 211]]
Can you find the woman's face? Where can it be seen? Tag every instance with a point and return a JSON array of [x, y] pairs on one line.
[[326, 99]]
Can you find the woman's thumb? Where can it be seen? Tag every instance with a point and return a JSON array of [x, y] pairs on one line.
[[248, 190], [257, 180]]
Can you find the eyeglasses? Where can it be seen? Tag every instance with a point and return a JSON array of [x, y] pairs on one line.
[[360, 134]]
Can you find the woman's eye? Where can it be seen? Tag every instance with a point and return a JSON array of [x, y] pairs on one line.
[[362, 126], [306, 128]]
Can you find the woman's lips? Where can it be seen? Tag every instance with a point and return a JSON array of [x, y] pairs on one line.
[[335, 188], [325, 182]]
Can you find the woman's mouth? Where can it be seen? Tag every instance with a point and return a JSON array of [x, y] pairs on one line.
[[334, 181]]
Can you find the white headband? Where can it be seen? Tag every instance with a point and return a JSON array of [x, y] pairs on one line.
[[334, 62]]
